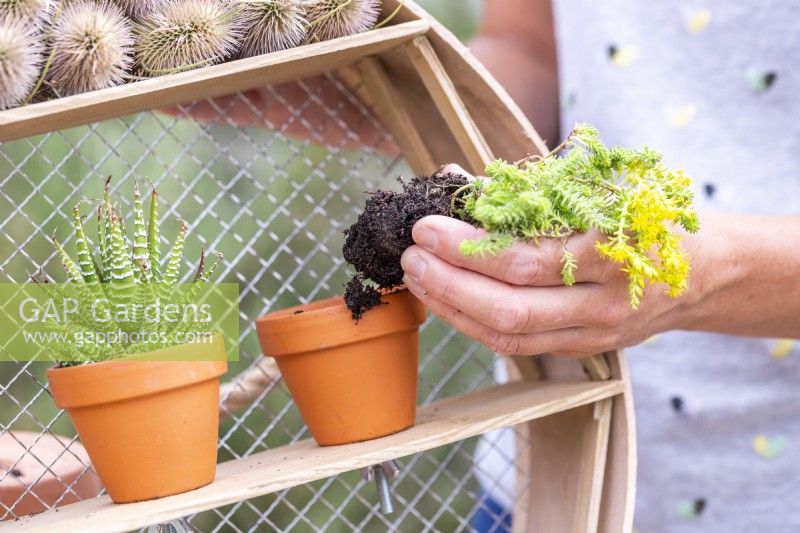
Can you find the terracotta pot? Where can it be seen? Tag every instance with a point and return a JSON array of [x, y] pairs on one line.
[[36, 469], [150, 427], [351, 381]]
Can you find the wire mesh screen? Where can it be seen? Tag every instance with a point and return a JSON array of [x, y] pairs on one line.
[[274, 196]]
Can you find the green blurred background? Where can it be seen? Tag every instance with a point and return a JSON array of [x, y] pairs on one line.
[[276, 208]]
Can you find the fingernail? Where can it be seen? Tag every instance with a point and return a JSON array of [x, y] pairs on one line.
[[414, 265], [426, 237]]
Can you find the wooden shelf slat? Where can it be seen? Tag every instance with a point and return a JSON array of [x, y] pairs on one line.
[[206, 82], [447, 100], [440, 423]]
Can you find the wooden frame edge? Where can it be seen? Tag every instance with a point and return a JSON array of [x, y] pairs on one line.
[[205, 82]]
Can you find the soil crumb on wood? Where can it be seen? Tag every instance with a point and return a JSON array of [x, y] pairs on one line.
[[375, 243]]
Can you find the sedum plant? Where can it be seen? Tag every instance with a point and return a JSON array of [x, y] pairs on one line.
[[628, 195], [122, 271]]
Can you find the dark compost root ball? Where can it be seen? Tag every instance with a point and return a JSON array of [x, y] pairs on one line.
[[375, 243], [360, 297]]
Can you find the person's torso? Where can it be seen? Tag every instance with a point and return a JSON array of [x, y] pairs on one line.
[[715, 87]]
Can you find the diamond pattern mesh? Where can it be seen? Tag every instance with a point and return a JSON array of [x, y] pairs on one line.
[[273, 196]]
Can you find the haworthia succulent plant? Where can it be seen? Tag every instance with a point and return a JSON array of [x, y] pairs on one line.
[[126, 268]]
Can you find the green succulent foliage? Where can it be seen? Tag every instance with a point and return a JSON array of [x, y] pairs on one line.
[[123, 271], [626, 194]]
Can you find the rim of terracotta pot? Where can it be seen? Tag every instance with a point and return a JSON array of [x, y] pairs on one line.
[[82, 385], [326, 323]]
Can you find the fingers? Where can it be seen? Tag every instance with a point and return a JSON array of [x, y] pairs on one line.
[[525, 264], [498, 305], [456, 169], [568, 341]]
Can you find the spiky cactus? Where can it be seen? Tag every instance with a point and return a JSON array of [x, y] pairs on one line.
[[27, 10], [126, 271], [186, 34], [330, 19], [271, 25], [92, 48], [20, 59], [137, 8]]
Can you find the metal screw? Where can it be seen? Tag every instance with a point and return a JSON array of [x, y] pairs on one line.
[[179, 525], [382, 473]]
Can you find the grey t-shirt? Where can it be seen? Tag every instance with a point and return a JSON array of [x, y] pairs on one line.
[[715, 87]]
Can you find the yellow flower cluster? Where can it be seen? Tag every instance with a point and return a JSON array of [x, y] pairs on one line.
[[626, 194]]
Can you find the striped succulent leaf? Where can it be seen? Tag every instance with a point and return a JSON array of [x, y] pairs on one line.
[[82, 319], [120, 266], [106, 260], [176, 256], [120, 219], [105, 218], [70, 267], [86, 261], [101, 243], [44, 281], [190, 295], [141, 257], [153, 244], [202, 274]]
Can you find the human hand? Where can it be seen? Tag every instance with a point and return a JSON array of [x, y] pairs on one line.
[[516, 304]]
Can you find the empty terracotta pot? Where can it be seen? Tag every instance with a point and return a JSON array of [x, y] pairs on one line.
[[42, 471], [351, 381], [150, 427]]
